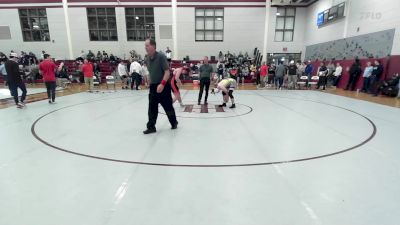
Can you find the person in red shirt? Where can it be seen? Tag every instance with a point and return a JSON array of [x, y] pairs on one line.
[[87, 70], [47, 69], [263, 74]]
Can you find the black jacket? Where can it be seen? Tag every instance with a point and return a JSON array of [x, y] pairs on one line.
[[377, 71], [13, 73], [355, 70]]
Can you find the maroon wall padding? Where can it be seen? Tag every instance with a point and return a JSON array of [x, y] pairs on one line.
[[393, 66], [390, 64]]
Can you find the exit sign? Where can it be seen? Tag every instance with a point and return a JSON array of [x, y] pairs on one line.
[[285, 49]]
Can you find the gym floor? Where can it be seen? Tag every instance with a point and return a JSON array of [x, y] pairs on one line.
[[281, 157]]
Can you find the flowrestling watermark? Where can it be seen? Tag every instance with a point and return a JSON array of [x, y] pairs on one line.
[[370, 15]]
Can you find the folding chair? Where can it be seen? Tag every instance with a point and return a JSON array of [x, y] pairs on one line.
[[110, 80], [314, 81], [96, 82], [63, 82], [303, 81]]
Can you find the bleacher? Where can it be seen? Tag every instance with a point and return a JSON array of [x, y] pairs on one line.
[[107, 69]]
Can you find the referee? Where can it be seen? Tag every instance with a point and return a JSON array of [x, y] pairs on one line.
[[160, 88]]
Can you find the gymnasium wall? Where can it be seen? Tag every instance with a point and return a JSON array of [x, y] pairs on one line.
[[362, 17], [243, 31], [373, 45], [10, 17], [79, 33], [315, 35], [297, 45]]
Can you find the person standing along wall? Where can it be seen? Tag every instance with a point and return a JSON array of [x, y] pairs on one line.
[[367, 77], [354, 72], [322, 74], [338, 74], [376, 76]]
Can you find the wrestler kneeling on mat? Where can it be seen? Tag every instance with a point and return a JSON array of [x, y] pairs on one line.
[[227, 86]]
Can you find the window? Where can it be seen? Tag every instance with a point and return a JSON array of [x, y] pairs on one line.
[[285, 20], [209, 24], [34, 24], [102, 24], [139, 23]]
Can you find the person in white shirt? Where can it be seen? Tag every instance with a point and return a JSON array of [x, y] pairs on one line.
[[123, 73], [338, 74], [135, 72], [168, 53]]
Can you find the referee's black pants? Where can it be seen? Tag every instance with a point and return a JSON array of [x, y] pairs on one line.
[[165, 99]]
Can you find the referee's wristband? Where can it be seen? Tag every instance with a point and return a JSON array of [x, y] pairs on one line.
[[163, 82]]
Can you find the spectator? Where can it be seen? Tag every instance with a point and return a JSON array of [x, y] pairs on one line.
[[338, 74], [205, 79], [376, 76], [330, 77], [220, 70], [42, 55], [62, 71], [87, 69], [322, 73], [48, 69], [113, 59], [96, 69], [271, 74], [99, 56], [90, 55], [280, 72], [220, 56], [34, 73], [3, 71], [354, 72], [367, 77], [15, 80], [309, 71], [292, 75], [145, 74], [123, 73], [301, 66], [105, 56], [245, 71], [135, 71], [263, 74], [168, 53], [3, 57], [389, 87]]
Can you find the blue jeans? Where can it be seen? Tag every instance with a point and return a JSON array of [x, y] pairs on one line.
[[372, 80], [336, 81], [14, 91], [278, 81], [367, 84]]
